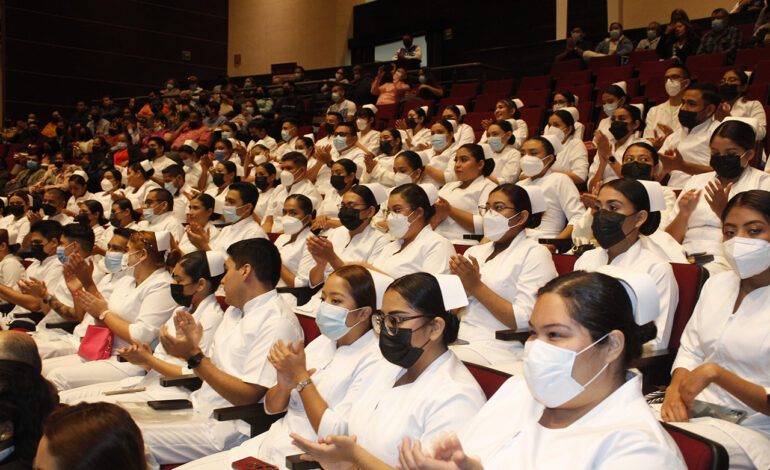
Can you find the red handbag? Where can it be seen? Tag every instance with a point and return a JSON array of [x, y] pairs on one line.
[[97, 343]]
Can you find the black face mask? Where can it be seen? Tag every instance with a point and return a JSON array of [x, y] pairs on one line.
[[35, 251], [112, 132], [195, 124], [728, 92], [219, 179], [727, 166], [608, 228], [16, 210], [34, 131], [398, 349], [411, 123], [177, 293], [48, 209], [688, 119], [337, 182], [82, 219], [115, 221], [637, 171], [350, 217], [329, 128], [151, 152], [59, 131], [58, 164], [619, 129], [260, 182], [386, 146]]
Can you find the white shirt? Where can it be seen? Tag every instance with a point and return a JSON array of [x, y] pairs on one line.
[[182, 203], [102, 236], [439, 161], [638, 258], [50, 272], [617, 152], [186, 246], [751, 109], [428, 252], [346, 108], [304, 187], [72, 203], [330, 206], [268, 142], [573, 157], [464, 134], [166, 222], [293, 254], [507, 168], [620, 432], [62, 218], [422, 137], [266, 206], [284, 147], [355, 154], [520, 132], [467, 199], [243, 229], [563, 206], [137, 196], [11, 270], [20, 227], [694, 147], [192, 173], [664, 113], [371, 140], [382, 172], [444, 397]]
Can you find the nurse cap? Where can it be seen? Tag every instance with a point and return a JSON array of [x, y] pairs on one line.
[[146, 165], [555, 142], [5, 200], [655, 195], [310, 136], [191, 143], [639, 106], [641, 290], [431, 192], [216, 262], [378, 191], [80, 173], [162, 240], [219, 206], [381, 283], [536, 198], [519, 104], [371, 107], [622, 85], [746, 120], [573, 112], [425, 109], [463, 112], [452, 291]]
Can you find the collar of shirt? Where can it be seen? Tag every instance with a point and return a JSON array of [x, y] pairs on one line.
[[258, 301], [425, 232], [699, 128]]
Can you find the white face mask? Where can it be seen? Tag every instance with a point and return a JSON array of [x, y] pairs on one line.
[[361, 124], [548, 372], [747, 256], [106, 185], [555, 131], [398, 224], [291, 225], [496, 225], [531, 166], [673, 87], [558, 106], [402, 178], [287, 178]]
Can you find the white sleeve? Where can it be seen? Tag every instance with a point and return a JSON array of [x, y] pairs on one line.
[[651, 123], [669, 298], [256, 368], [690, 354], [157, 306], [758, 113], [436, 260], [569, 198], [537, 270], [521, 133]]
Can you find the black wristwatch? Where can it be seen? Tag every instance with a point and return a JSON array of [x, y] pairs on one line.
[[612, 159], [195, 361]]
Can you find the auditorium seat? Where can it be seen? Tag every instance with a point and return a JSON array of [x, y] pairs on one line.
[[561, 67], [534, 119], [585, 109], [273, 236], [749, 57], [655, 90], [757, 91], [489, 379], [638, 57], [222, 302], [583, 92], [699, 453], [597, 63], [417, 104], [711, 75], [564, 263], [309, 327], [385, 112], [461, 249], [534, 98], [690, 278], [474, 119], [487, 102], [501, 87], [464, 89], [580, 77], [696, 63], [453, 100], [536, 82], [655, 69], [611, 75], [761, 72], [632, 88]]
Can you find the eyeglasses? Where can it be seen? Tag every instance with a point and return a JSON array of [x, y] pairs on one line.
[[387, 212], [496, 207], [391, 322], [349, 205]]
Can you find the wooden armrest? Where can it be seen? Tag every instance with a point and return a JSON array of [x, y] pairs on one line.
[[293, 462], [521, 334], [253, 414], [68, 326], [190, 381]]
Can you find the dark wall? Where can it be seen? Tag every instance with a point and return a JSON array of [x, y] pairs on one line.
[[58, 52]]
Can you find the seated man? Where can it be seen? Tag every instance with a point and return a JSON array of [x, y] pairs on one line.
[[341, 105], [615, 43], [289, 134], [18, 346], [11, 269], [238, 371], [345, 144], [240, 201], [156, 153], [54, 203], [259, 136], [409, 51], [158, 213], [575, 45], [174, 180], [722, 37], [192, 129]]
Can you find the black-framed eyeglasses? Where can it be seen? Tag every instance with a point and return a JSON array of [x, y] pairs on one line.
[[391, 322]]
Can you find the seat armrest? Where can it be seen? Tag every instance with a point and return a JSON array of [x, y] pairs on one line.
[[190, 381], [656, 359], [253, 414], [68, 326], [293, 462], [303, 294], [655, 367], [522, 334]]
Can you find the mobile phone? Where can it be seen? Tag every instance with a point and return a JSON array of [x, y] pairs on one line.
[[294, 462], [252, 463], [702, 408], [169, 404]]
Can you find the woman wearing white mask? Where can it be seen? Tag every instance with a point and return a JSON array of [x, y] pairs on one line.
[[342, 358], [626, 212], [408, 168], [135, 311], [417, 247], [501, 278], [499, 147], [379, 169], [199, 218], [139, 179], [561, 195], [306, 147], [343, 177], [508, 110], [572, 160], [613, 97], [367, 136], [430, 391], [463, 132], [297, 216], [458, 203], [576, 394], [566, 99], [611, 145], [111, 182], [443, 148], [268, 206], [725, 353]]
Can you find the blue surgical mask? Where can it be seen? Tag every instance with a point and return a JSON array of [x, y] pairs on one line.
[[230, 214], [189, 163], [219, 155], [495, 143], [226, 134], [113, 261], [614, 34], [285, 136], [438, 142], [651, 34], [32, 165], [60, 254], [331, 320], [422, 78], [610, 108], [149, 214], [340, 142], [717, 25], [171, 187]]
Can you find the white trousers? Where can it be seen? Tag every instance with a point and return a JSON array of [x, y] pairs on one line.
[[67, 372]]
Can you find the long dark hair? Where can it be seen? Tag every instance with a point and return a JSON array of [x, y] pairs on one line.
[[635, 192], [361, 286], [423, 293]]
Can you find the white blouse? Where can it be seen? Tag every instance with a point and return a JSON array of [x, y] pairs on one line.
[[428, 252], [563, 206], [467, 199]]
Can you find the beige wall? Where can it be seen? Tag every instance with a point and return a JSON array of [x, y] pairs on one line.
[[639, 13], [313, 33]]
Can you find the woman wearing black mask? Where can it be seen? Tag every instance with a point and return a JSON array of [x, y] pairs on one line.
[[696, 224], [342, 179], [417, 133], [626, 124], [732, 89], [123, 215], [92, 214], [224, 174], [16, 220], [297, 215], [268, 205], [432, 391], [380, 169], [624, 210]]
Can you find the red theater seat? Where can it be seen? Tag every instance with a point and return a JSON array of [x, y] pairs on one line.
[[564, 263], [559, 68], [489, 379], [417, 104], [538, 82], [699, 453], [500, 87], [464, 89], [309, 327]]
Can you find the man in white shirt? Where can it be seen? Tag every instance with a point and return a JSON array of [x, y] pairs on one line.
[[687, 152], [238, 372], [345, 144], [156, 152], [11, 269], [289, 134], [54, 203], [293, 178], [258, 135], [240, 201], [174, 180], [158, 213], [340, 105], [663, 119]]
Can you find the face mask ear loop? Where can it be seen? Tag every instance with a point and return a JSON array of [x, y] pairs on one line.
[[606, 364]]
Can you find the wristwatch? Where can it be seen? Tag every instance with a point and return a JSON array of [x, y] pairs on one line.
[[301, 386], [103, 314], [48, 299], [195, 360], [612, 159]]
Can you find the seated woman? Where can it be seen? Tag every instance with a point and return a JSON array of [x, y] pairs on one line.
[[613, 97], [91, 213], [576, 394], [79, 193], [431, 391], [458, 204], [438, 157], [733, 88], [196, 279], [91, 435], [561, 195], [566, 99], [225, 174], [297, 216], [573, 158], [135, 311], [343, 178], [416, 246], [501, 278], [343, 357], [123, 215], [367, 136], [268, 205], [626, 125], [415, 127], [724, 355], [500, 148], [16, 222], [427, 87], [199, 218], [508, 110], [696, 223], [625, 210], [139, 183], [463, 133], [111, 182], [379, 169]]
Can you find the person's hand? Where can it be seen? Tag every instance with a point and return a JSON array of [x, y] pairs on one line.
[[71, 279], [688, 201], [185, 125], [401, 124], [485, 123], [671, 160], [323, 153], [603, 147], [93, 304], [451, 457], [184, 344], [321, 249], [467, 270], [117, 194], [442, 207], [332, 452], [319, 223], [34, 217], [381, 71], [697, 380], [569, 44], [82, 268], [137, 353], [369, 162], [423, 146], [197, 235], [717, 196], [722, 111], [589, 200], [289, 360], [673, 408], [207, 160], [34, 287]]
